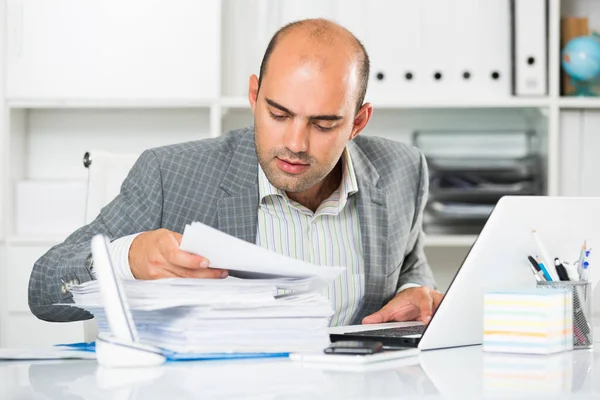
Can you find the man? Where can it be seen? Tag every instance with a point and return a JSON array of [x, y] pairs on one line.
[[300, 182]]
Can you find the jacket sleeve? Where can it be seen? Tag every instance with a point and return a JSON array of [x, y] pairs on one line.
[[415, 268], [137, 208]]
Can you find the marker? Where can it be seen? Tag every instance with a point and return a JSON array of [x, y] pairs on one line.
[[547, 261], [539, 266], [563, 275]]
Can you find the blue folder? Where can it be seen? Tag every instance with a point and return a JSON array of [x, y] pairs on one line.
[[174, 356]]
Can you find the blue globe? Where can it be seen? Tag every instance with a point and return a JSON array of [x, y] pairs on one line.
[[581, 58]]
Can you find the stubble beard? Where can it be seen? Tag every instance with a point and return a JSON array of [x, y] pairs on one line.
[[281, 179]]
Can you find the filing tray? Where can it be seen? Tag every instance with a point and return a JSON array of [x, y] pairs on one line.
[[469, 171]]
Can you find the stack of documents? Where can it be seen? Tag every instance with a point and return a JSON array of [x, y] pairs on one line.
[[230, 315], [277, 307], [534, 321]]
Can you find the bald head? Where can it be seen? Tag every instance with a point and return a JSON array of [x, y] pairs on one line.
[[322, 43]]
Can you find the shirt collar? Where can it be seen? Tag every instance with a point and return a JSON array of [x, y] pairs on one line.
[[348, 185]]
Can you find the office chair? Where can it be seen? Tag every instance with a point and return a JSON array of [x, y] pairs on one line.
[[106, 173]]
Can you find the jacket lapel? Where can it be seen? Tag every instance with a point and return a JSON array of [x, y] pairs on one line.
[[238, 209], [371, 204]]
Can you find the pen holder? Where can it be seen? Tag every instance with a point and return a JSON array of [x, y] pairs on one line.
[[581, 292]]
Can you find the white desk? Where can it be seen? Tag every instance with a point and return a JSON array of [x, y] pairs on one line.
[[465, 373]]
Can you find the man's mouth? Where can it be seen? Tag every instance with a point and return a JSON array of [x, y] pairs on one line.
[[291, 167]]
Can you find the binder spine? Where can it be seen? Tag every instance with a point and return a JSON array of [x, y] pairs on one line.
[[529, 39]]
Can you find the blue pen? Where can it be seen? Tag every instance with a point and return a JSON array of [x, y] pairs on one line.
[[543, 268], [585, 271], [585, 268]]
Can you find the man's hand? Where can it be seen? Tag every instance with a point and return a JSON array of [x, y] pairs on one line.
[[156, 254], [413, 304]]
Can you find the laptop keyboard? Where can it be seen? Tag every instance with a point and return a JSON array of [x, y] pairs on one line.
[[393, 332]]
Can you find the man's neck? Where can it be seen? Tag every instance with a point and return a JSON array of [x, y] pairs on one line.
[[313, 197]]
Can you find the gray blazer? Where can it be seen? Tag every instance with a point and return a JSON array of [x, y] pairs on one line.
[[214, 181]]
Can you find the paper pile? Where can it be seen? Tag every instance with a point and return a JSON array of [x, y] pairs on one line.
[[277, 307], [533, 321]]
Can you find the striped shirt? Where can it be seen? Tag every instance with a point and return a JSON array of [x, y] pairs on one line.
[[330, 236]]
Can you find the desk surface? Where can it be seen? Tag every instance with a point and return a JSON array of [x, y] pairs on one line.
[[464, 373]]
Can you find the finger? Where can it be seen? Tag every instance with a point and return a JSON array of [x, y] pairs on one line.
[[383, 315], [204, 273], [375, 318], [186, 260], [171, 252], [426, 307], [398, 309]]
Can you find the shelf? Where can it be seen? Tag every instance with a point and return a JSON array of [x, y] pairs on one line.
[[579, 102], [109, 103], [449, 240], [35, 240], [509, 102], [241, 102]]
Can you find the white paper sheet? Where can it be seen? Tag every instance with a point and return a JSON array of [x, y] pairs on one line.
[[228, 252]]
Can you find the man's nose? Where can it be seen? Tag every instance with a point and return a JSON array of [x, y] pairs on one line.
[[296, 138]]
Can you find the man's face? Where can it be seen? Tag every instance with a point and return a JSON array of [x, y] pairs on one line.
[[303, 117]]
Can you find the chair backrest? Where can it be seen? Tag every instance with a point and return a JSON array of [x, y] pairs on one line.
[[106, 173]]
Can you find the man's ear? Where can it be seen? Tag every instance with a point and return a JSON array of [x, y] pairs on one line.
[[253, 91], [361, 119]]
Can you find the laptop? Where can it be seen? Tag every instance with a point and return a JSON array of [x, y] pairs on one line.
[[497, 261]]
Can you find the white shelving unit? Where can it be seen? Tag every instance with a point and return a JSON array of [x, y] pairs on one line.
[[44, 135], [579, 103]]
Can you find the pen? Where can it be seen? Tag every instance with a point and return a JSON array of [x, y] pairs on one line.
[[563, 275], [537, 271], [542, 267], [586, 266], [547, 261], [585, 272]]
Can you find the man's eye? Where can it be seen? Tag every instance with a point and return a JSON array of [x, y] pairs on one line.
[[277, 117], [324, 128]]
